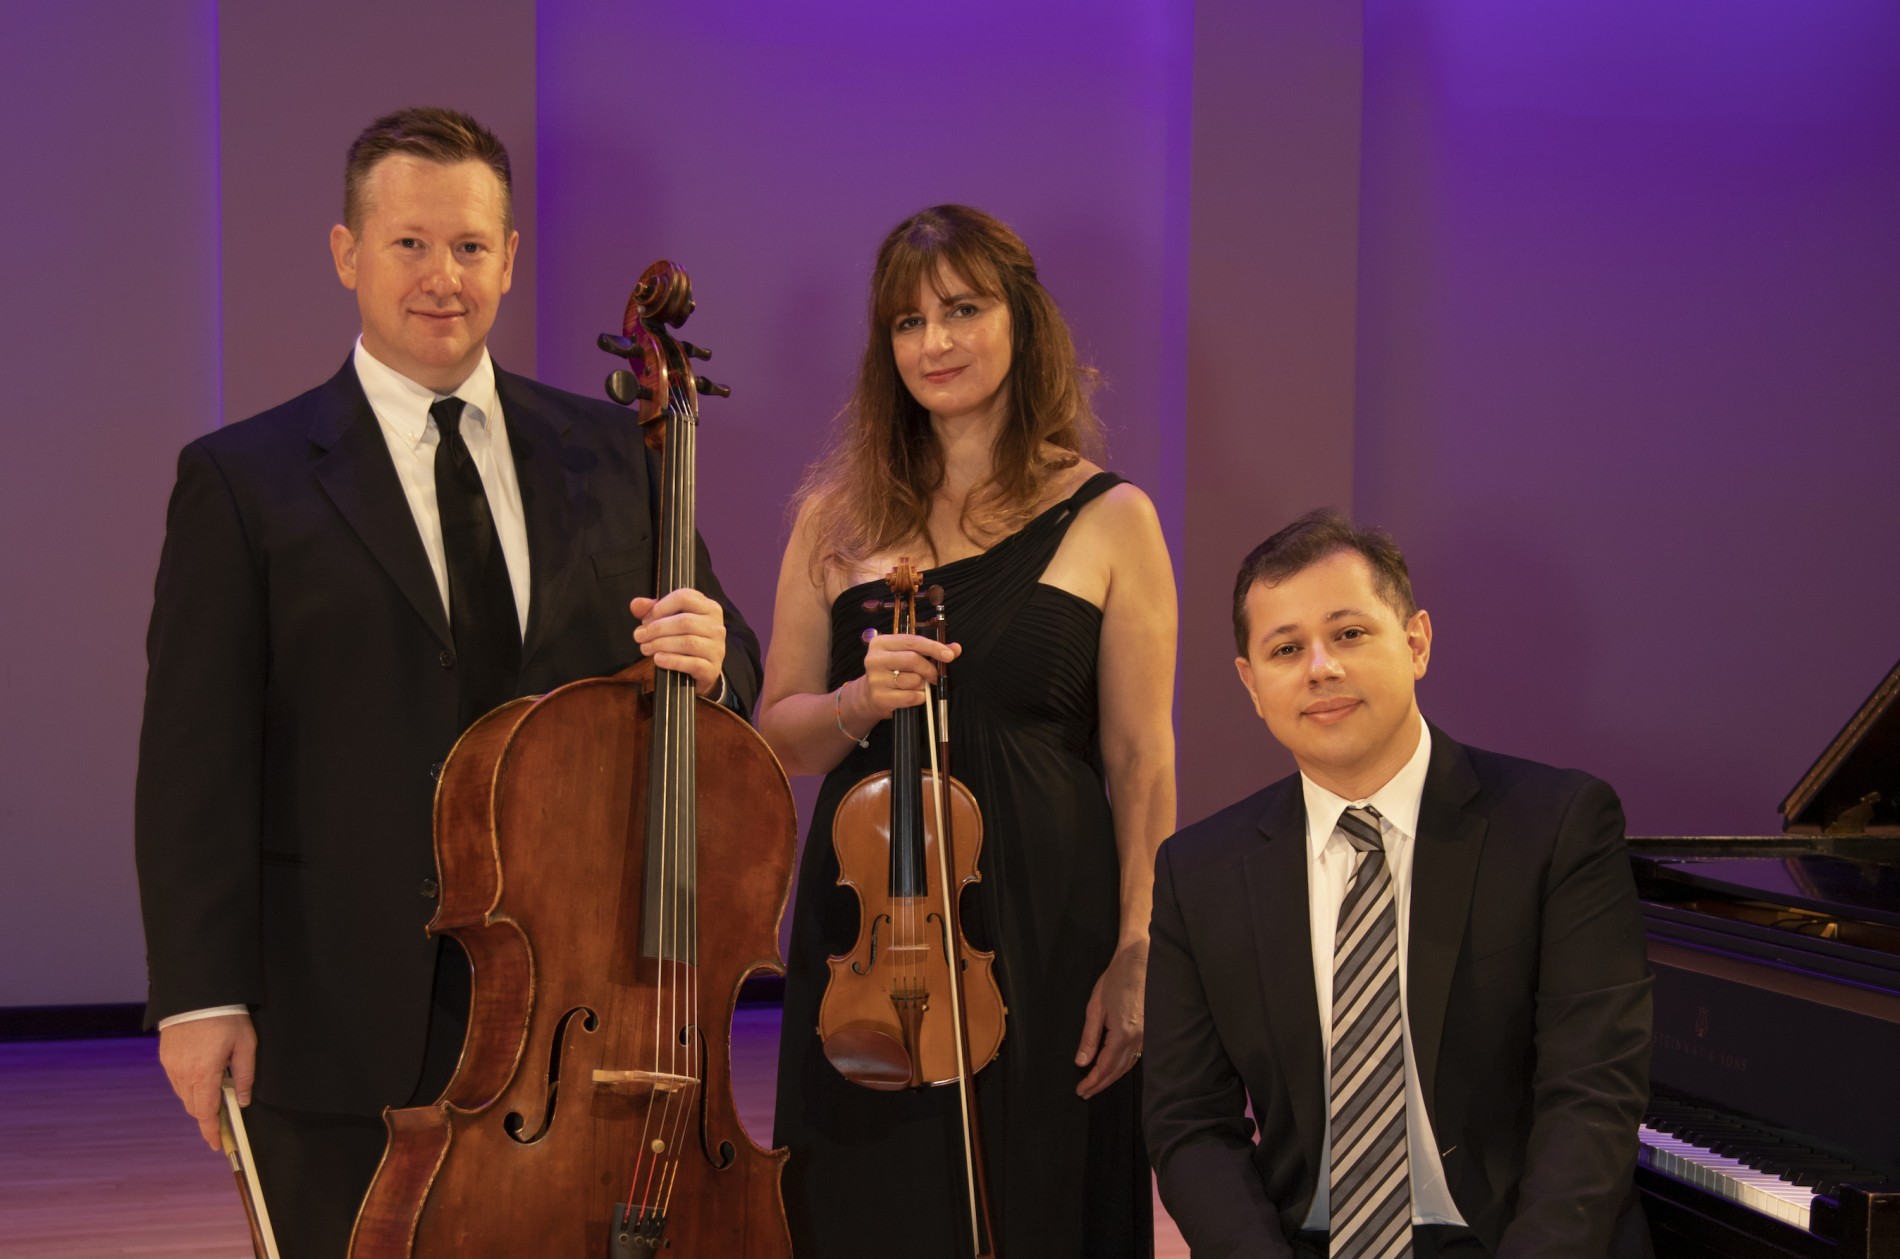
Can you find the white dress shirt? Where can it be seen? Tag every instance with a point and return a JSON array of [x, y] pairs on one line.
[[402, 410], [1330, 864]]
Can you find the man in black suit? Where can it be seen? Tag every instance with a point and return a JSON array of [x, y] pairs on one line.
[[347, 581], [1420, 964]]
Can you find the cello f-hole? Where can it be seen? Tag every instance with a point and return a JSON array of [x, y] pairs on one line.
[[515, 1121]]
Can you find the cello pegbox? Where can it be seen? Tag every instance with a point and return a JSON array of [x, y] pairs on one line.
[[625, 388], [619, 347]]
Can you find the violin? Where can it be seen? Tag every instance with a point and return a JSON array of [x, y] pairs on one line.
[[591, 1114], [913, 1003]]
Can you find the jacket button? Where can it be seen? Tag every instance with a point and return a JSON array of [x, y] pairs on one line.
[[428, 887], [435, 772], [446, 659]]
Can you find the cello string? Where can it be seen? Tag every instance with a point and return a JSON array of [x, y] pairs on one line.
[[690, 726], [688, 1045], [682, 838], [659, 759]]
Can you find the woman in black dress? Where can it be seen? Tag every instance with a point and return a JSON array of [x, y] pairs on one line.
[[965, 448]]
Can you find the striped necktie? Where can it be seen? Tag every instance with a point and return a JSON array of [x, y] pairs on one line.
[[1370, 1193]]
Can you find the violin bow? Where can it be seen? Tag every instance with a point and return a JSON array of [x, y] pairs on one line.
[[937, 737]]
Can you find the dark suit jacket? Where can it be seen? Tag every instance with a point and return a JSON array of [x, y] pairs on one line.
[[302, 694], [1527, 1001]]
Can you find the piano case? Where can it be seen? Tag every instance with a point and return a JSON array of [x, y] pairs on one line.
[[1774, 1127]]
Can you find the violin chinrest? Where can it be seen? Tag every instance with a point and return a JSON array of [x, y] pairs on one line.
[[870, 1056]]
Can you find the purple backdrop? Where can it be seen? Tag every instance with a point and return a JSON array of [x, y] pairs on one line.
[[1593, 305], [1630, 375]]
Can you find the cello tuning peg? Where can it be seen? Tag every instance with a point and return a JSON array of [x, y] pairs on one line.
[[868, 635], [715, 389], [619, 346], [695, 351], [625, 388], [935, 595], [875, 605]]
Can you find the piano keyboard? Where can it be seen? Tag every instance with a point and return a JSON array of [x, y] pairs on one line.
[[1740, 1161], [1730, 1178]]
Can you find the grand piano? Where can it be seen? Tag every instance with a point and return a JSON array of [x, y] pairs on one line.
[[1774, 1122]]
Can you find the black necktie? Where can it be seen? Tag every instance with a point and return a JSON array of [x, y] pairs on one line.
[[482, 612]]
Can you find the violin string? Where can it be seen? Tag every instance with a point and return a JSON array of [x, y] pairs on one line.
[[908, 975]]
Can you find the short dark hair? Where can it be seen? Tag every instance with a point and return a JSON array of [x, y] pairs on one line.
[[435, 135], [1313, 537]]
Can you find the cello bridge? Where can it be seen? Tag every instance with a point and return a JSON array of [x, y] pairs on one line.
[[639, 1083]]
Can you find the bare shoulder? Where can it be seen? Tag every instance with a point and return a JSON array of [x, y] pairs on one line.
[[1116, 538], [1122, 516], [1125, 506]]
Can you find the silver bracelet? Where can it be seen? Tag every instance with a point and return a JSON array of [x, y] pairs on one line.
[[837, 715]]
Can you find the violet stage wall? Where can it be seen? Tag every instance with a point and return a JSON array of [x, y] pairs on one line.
[[1272, 335], [1593, 306], [109, 350], [788, 140], [1629, 381]]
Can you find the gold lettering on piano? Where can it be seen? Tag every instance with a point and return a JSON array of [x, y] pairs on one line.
[[1699, 1050]]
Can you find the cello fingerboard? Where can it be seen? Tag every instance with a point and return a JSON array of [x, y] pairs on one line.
[[669, 926]]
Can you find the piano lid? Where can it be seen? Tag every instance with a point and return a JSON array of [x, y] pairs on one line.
[[1859, 888], [1854, 789]]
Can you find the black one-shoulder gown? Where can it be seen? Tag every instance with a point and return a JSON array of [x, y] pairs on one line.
[[878, 1174]]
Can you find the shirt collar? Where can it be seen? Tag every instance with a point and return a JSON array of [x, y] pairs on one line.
[[403, 405], [1397, 801]]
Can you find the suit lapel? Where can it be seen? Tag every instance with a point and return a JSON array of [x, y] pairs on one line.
[[550, 505], [1283, 946], [357, 474], [1444, 871]]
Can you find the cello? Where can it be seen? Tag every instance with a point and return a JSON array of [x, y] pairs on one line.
[[591, 1113], [913, 1004]]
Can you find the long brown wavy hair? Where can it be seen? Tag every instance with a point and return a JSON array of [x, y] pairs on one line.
[[872, 489]]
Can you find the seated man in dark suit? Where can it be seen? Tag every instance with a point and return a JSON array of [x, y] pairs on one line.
[[1420, 964], [348, 581]]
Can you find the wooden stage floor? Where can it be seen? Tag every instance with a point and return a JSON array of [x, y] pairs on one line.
[[97, 1160]]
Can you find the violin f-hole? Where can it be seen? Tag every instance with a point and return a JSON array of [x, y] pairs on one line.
[[870, 961]]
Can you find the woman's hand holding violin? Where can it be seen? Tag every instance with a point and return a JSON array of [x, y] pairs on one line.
[[898, 671]]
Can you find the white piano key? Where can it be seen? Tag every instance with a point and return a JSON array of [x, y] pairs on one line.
[[1727, 1177]]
